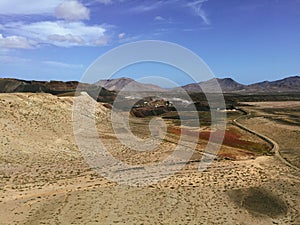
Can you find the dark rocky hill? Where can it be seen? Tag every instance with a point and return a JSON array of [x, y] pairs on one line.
[[9, 85]]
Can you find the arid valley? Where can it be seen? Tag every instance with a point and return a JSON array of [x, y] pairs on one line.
[[46, 180]]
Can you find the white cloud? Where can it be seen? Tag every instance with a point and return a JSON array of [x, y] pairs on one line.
[[127, 39], [197, 7], [147, 7], [62, 64], [105, 2], [72, 11], [109, 2], [59, 33], [101, 41], [15, 42], [28, 7], [66, 38], [159, 18], [121, 35], [6, 59]]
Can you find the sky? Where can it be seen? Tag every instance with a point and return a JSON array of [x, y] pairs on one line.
[[249, 41]]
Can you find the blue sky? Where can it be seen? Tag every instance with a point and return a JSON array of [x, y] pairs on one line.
[[249, 41]]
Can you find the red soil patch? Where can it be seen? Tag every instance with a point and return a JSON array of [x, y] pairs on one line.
[[230, 138]]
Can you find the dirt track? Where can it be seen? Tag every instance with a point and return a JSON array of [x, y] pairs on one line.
[[275, 146]]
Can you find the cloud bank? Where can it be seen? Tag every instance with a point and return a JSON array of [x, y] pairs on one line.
[[58, 33], [67, 30]]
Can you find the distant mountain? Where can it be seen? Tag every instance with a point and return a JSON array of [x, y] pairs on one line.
[[226, 84], [128, 85], [289, 84]]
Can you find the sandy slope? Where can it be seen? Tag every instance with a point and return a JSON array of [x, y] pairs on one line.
[[45, 180]]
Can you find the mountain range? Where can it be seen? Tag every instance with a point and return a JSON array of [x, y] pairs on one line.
[[228, 85]]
